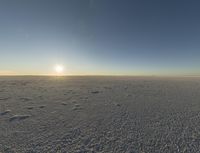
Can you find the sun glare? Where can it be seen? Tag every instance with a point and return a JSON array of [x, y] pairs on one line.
[[59, 69]]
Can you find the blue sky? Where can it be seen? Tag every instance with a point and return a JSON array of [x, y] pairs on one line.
[[112, 37]]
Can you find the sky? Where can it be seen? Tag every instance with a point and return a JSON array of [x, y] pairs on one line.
[[100, 37]]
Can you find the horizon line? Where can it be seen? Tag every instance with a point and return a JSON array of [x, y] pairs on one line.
[[92, 75]]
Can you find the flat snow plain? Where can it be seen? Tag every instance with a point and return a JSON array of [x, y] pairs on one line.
[[99, 115]]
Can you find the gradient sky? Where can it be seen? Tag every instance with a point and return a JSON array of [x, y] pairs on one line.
[[125, 37]]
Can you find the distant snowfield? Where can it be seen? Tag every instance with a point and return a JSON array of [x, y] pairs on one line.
[[99, 114]]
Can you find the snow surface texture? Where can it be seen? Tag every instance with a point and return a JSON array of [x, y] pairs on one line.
[[99, 114]]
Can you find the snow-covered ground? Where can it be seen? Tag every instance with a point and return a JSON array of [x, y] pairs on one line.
[[99, 114]]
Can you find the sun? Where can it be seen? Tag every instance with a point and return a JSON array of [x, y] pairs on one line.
[[59, 69]]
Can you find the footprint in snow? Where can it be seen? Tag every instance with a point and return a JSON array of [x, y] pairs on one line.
[[5, 112], [18, 117]]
